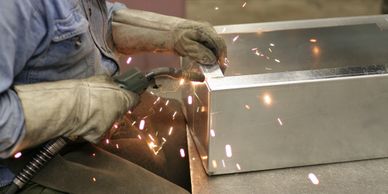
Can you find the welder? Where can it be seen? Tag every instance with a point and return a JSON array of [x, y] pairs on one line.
[[56, 62]]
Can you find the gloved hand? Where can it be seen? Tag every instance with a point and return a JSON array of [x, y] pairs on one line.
[[140, 31], [84, 108]]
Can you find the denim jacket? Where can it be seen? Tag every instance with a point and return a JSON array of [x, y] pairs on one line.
[[43, 41]]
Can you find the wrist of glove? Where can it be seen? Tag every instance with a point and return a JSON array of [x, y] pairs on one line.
[[139, 31], [84, 108]]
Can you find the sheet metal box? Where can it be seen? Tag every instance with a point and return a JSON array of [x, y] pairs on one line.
[[295, 93]]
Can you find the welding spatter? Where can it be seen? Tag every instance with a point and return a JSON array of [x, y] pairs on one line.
[[133, 80]]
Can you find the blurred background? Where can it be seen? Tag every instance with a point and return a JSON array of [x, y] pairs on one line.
[[223, 12]]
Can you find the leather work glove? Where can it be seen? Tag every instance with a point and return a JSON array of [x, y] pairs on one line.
[[140, 31], [84, 108]]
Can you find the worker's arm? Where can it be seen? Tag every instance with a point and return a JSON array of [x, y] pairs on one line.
[[140, 31]]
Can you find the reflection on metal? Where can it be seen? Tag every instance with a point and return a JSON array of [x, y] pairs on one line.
[[325, 100]]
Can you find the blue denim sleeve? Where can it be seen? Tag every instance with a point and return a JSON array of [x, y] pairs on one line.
[[21, 30]]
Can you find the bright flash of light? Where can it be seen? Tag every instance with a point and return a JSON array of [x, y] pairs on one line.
[[235, 38], [142, 124], [228, 150], [170, 131], [280, 122], [129, 60], [17, 155], [243, 5], [267, 99], [313, 179], [182, 152], [181, 82], [214, 163], [189, 100], [238, 166], [313, 40]]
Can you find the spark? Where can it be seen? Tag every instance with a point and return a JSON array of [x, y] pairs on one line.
[[224, 30], [94, 154], [170, 131], [117, 146], [193, 158], [182, 152], [267, 58], [228, 150], [94, 179], [157, 100], [270, 50], [280, 122], [164, 139], [267, 99], [107, 141], [181, 82], [243, 5], [152, 138], [268, 69], [152, 93], [116, 126], [204, 157], [235, 38], [277, 60], [129, 112], [313, 179], [272, 44], [313, 40], [17, 155], [254, 49], [247, 107], [141, 125], [198, 109], [238, 166], [203, 109], [214, 163], [216, 8], [173, 115], [212, 133], [223, 163], [133, 123], [257, 53], [161, 108], [138, 136], [129, 60], [189, 100], [168, 101], [316, 50]]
